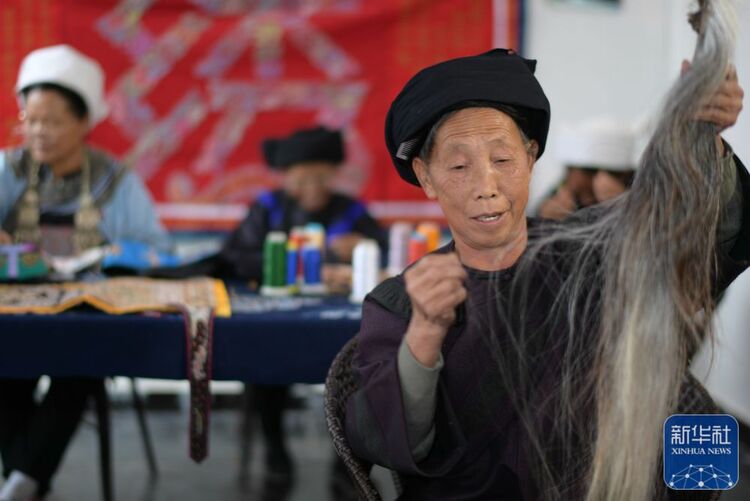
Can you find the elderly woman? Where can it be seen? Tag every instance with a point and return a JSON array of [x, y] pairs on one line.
[[308, 160], [57, 192], [464, 361]]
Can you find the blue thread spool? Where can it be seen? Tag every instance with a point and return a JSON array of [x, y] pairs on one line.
[[292, 261], [312, 259]]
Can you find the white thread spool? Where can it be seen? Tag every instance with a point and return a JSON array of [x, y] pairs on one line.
[[398, 247], [365, 269]]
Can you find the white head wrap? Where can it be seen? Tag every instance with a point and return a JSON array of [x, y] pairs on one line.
[[65, 66], [602, 143]]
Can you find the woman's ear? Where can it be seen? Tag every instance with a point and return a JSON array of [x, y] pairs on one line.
[[533, 151], [420, 169]]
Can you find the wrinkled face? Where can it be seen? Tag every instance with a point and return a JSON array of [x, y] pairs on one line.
[[51, 129], [310, 184], [479, 172]]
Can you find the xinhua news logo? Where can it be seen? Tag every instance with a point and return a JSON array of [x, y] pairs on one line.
[[701, 452]]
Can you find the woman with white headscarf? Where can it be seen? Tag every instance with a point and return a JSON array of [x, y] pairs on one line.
[[600, 155], [57, 192]]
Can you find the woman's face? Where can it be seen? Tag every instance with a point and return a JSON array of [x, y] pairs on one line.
[[607, 186], [310, 184], [580, 182], [479, 172], [52, 131]]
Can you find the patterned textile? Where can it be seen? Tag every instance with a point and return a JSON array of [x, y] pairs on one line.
[[117, 296]]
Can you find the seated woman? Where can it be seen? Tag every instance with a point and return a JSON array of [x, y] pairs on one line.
[[58, 192], [600, 158], [517, 363], [308, 159]]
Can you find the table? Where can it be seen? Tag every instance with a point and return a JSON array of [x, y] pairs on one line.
[[269, 341]]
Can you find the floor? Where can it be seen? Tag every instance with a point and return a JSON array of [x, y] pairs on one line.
[[220, 477]]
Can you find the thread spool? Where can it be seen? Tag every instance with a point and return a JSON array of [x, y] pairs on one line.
[[274, 265], [398, 247], [315, 235], [292, 264], [365, 269], [297, 237], [312, 262], [312, 259], [431, 232], [417, 247]]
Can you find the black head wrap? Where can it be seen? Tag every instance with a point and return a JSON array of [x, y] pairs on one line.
[[496, 77], [306, 145]]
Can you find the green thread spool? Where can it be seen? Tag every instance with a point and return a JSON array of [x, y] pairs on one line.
[[274, 260]]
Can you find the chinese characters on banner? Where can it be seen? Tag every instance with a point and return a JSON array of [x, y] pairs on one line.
[[195, 85]]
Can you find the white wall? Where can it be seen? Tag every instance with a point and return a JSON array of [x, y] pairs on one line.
[[616, 61]]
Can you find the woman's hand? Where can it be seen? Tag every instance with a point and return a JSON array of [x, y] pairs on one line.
[[724, 107], [435, 286], [5, 239]]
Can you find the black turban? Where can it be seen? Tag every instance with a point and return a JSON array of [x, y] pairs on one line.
[[496, 77], [306, 145]]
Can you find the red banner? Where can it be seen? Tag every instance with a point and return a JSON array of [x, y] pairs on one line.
[[195, 85]]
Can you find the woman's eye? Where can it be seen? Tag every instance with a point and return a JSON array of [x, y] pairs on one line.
[[457, 167], [501, 160]]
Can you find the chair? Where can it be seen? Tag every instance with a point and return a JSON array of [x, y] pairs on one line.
[[101, 408], [340, 385]]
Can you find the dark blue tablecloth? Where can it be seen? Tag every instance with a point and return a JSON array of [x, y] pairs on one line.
[[265, 341]]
